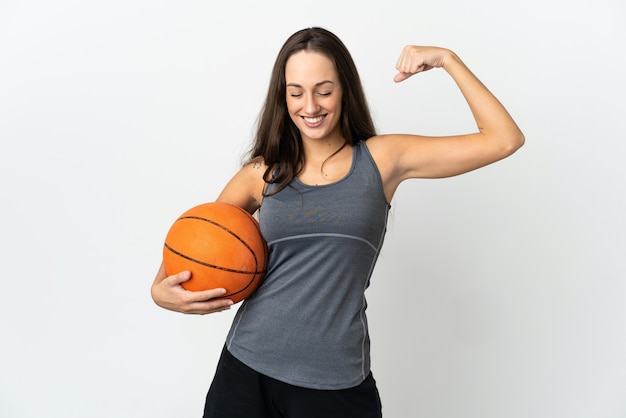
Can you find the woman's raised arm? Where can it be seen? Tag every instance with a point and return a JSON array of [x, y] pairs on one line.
[[403, 156]]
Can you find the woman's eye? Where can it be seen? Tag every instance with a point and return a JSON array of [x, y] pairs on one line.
[[295, 94], [324, 94]]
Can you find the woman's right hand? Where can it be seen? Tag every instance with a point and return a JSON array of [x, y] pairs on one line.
[[168, 293]]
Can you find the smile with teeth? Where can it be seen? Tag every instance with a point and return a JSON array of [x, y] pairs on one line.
[[314, 120]]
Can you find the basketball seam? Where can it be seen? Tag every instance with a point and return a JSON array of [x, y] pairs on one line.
[[211, 265]]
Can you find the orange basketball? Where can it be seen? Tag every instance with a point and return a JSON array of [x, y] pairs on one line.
[[221, 245]]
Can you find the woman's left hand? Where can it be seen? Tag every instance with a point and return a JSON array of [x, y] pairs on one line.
[[417, 59]]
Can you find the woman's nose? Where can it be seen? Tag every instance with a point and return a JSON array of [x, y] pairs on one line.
[[311, 106]]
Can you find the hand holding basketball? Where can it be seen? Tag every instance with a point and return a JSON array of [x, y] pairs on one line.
[[168, 293]]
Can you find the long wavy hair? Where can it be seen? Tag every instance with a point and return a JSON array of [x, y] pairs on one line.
[[278, 141]]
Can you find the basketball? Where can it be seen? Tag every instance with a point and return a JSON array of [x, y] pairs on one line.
[[221, 245]]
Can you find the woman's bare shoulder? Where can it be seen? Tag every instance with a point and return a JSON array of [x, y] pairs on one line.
[[245, 189]]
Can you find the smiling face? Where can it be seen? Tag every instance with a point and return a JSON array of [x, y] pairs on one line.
[[313, 95]]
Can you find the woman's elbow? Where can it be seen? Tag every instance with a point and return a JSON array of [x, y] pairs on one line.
[[521, 139], [514, 142]]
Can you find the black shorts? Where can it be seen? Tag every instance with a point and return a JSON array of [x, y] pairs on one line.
[[238, 391]]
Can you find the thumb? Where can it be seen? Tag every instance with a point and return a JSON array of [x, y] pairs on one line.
[[179, 278], [401, 77]]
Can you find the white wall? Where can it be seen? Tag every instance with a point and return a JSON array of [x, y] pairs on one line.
[[499, 293]]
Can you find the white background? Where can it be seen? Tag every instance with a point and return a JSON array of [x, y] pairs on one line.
[[499, 293]]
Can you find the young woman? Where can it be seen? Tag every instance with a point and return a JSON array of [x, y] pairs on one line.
[[323, 179]]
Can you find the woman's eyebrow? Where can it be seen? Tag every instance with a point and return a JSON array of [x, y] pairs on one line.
[[316, 84]]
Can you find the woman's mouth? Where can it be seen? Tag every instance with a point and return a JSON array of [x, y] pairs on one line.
[[313, 122]]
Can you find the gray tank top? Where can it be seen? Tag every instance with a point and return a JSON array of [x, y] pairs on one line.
[[306, 325]]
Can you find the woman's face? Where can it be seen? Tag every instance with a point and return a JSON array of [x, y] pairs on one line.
[[313, 95]]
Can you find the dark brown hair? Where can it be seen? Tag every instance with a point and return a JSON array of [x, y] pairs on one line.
[[278, 141]]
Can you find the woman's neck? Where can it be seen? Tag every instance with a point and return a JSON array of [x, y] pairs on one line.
[[319, 150], [325, 161]]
